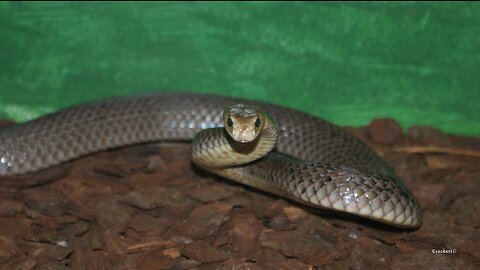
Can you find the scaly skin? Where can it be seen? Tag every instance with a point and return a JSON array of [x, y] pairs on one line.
[[315, 162]]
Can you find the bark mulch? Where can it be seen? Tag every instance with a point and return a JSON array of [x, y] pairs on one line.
[[147, 207]]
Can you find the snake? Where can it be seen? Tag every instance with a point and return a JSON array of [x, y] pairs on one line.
[[286, 152]]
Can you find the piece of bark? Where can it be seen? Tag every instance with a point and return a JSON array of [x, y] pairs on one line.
[[202, 252], [149, 225], [155, 259], [112, 215], [466, 211], [269, 258], [169, 198], [379, 255], [312, 248], [244, 233], [196, 226], [385, 131], [9, 208], [212, 193], [45, 202]]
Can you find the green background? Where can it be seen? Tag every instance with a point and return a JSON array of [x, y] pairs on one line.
[[346, 62]]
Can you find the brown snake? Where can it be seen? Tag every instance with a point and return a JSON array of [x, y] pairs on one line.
[[314, 162]]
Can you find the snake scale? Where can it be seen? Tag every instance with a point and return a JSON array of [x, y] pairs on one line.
[[314, 162]]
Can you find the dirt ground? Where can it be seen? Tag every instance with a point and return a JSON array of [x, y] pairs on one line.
[[147, 207]]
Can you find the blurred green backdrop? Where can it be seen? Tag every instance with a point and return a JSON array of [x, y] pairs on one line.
[[346, 62]]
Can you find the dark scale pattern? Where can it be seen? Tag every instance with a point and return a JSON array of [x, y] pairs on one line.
[[370, 195], [96, 126]]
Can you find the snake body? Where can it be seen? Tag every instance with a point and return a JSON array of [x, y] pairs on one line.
[[314, 162]]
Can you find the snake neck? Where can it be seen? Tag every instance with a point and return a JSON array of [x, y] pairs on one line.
[[215, 149]]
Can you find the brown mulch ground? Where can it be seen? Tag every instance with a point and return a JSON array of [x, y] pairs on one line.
[[145, 207]]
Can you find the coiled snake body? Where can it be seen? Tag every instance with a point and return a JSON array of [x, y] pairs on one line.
[[314, 162]]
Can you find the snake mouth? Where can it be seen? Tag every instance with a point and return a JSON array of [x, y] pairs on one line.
[[246, 135]]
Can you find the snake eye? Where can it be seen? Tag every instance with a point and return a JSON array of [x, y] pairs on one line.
[[229, 122], [257, 122]]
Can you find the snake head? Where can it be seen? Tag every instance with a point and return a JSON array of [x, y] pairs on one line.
[[243, 122]]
